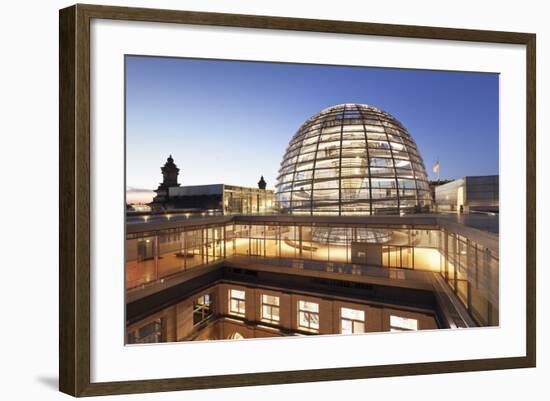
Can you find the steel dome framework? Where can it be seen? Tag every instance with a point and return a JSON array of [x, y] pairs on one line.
[[352, 159]]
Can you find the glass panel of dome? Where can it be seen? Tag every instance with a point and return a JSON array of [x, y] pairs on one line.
[[355, 162], [326, 184], [376, 137], [422, 180], [380, 172], [328, 145], [283, 196], [309, 141], [312, 130], [327, 163], [323, 210], [330, 137], [331, 130], [329, 152], [406, 175], [304, 166], [396, 137], [355, 135], [301, 207], [374, 129], [356, 126], [289, 161], [285, 187], [383, 202], [326, 194], [287, 169], [407, 184], [308, 148], [335, 123], [351, 191], [401, 155], [356, 143], [378, 144], [294, 148], [418, 166], [354, 171], [302, 186], [397, 146], [404, 164], [360, 208], [292, 153], [327, 173], [422, 184], [301, 196], [360, 152], [381, 162], [378, 153], [304, 157], [382, 183]]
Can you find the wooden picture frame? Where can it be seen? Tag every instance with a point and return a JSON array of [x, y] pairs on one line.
[[75, 208]]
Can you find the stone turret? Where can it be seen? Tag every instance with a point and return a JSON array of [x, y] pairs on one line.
[[170, 174], [262, 184]]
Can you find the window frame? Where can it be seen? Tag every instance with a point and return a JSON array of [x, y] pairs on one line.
[[205, 309], [308, 314], [239, 301], [395, 328], [271, 308], [352, 321]]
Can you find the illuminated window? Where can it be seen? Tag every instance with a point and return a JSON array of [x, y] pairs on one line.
[[308, 315], [236, 302], [150, 333], [270, 308], [353, 321], [202, 309], [398, 323]]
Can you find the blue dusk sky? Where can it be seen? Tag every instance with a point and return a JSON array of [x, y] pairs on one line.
[[230, 121]]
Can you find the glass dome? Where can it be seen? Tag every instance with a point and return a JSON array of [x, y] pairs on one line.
[[352, 159]]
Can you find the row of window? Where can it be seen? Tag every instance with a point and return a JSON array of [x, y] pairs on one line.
[[349, 156], [347, 140], [327, 126], [403, 168], [352, 321], [355, 195]]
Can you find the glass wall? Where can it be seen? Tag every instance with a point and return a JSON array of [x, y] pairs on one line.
[[470, 269], [151, 258], [241, 200], [472, 272]]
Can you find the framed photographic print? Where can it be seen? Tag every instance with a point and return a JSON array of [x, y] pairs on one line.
[[280, 200]]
